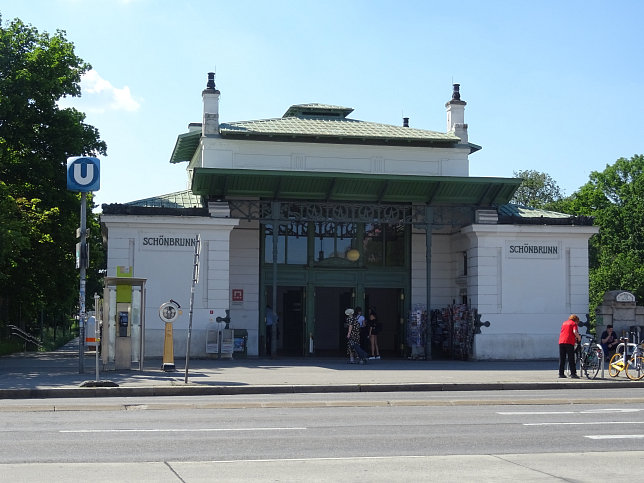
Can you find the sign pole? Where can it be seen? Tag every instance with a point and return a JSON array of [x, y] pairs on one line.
[[195, 279], [97, 338], [83, 175], [83, 269]]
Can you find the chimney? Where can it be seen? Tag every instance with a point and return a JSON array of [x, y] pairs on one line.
[[405, 122], [456, 115], [210, 96]]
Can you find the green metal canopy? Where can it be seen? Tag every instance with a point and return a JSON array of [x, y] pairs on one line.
[[322, 186]]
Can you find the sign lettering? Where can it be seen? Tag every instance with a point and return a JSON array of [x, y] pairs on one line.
[[532, 249], [168, 241]]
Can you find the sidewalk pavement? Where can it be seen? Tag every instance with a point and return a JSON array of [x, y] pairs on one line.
[[56, 374]]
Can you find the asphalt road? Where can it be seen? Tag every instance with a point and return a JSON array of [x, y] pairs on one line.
[[476, 436]]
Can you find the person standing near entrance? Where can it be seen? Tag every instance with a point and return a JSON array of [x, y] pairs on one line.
[[271, 320], [364, 330], [353, 338], [567, 337], [373, 326]]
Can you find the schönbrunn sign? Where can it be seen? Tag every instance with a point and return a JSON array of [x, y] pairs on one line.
[[533, 248]]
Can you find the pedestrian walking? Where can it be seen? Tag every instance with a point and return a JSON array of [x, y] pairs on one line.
[[354, 351]]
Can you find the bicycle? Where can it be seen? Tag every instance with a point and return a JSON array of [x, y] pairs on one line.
[[591, 357], [632, 365]]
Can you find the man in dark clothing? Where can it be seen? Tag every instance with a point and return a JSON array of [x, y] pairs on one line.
[[271, 321], [609, 341]]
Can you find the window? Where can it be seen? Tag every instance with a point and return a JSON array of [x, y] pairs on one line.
[[378, 245], [291, 243], [333, 240], [384, 245]]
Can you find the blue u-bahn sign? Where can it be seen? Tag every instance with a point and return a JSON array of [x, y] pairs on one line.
[[83, 174]]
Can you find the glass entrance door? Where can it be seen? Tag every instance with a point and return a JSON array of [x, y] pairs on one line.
[[330, 335], [292, 320], [388, 305]]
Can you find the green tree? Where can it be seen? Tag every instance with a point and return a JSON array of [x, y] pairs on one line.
[[538, 190], [38, 215], [615, 198]]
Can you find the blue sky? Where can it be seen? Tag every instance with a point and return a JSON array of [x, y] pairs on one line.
[[551, 85]]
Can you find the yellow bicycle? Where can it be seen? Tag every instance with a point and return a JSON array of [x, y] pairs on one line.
[[632, 365]]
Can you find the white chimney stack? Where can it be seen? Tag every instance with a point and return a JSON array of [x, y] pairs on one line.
[[456, 115], [210, 96]]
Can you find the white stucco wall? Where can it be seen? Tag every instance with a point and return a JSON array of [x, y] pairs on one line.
[[443, 278], [526, 296], [244, 275], [168, 270], [339, 158]]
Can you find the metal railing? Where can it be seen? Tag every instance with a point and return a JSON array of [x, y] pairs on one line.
[[26, 337]]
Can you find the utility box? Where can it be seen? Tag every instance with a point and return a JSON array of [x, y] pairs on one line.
[[227, 344], [220, 342], [91, 339]]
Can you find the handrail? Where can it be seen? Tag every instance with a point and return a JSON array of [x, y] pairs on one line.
[[18, 332]]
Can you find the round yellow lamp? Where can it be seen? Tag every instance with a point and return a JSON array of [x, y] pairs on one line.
[[353, 255]]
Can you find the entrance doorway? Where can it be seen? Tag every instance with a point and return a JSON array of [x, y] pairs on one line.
[[292, 320], [387, 303], [330, 334], [289, 333]]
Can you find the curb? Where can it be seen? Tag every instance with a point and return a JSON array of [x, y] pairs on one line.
[[197, 390]]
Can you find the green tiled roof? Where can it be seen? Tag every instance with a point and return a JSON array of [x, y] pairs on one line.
[[517, 214], [318, 123], [185, 147], [179, 199], [315, 109], [221, 183], [336, 129], [525, 212]]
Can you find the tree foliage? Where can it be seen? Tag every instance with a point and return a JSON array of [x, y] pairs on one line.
[[38, 215], [615, 197], [538, 190]]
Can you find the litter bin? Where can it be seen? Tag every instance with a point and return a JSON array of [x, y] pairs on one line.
[[240, 343]]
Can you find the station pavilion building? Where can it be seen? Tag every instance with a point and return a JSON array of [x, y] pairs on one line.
[[316, 211]]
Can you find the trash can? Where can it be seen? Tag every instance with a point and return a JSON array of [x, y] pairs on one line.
[[240, 342]]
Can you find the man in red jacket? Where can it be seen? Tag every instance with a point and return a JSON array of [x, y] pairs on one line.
[[567, 338]]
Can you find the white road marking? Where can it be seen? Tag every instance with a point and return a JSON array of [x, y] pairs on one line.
[[583, 423], [174, 430], [589, 411], [521, 413], [610, 410], [615, 436]]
